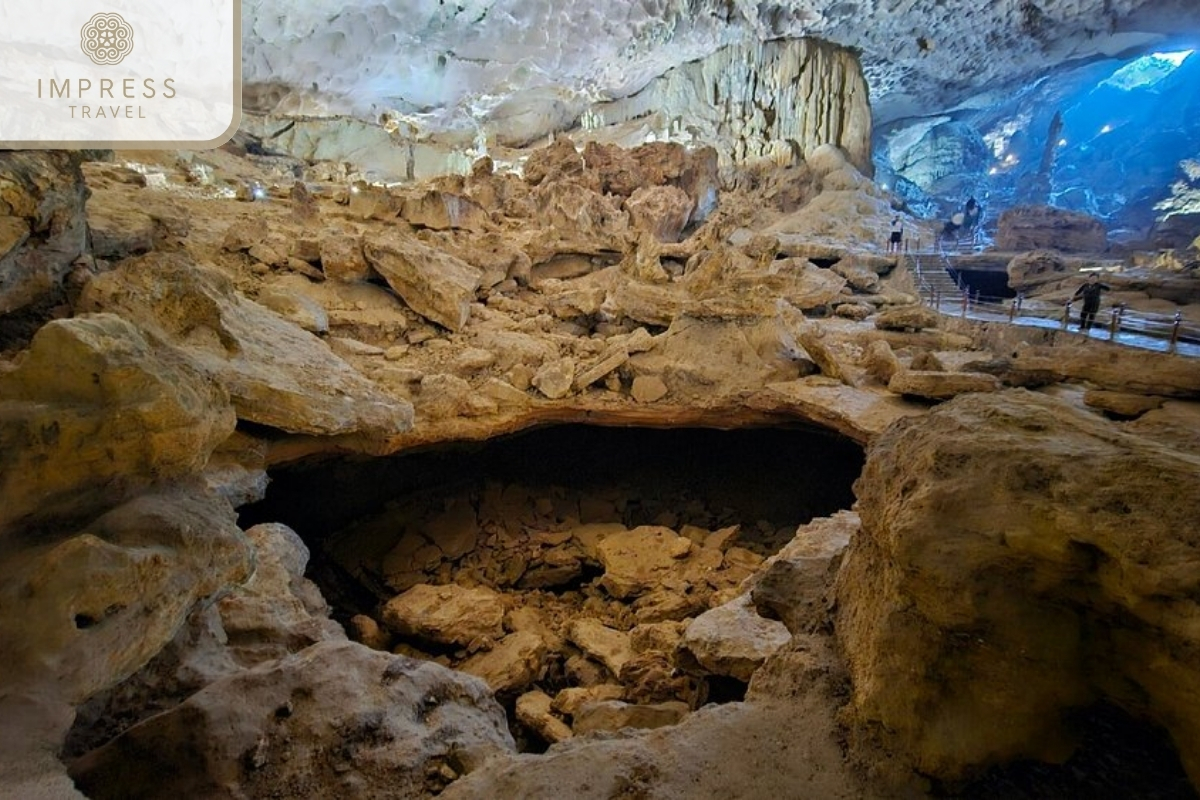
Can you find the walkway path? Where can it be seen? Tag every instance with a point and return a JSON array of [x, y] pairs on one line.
[[1134, 329]]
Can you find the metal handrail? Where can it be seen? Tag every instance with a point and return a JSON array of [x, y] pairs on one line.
[[1117, 319], [934, 287]]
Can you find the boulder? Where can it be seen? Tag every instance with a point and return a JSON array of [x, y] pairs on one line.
[[1050, 228], [513, 664], [94, 412], [881, 361], [661, 211], [533, 711], [635, 561], [1018, 560], [334, 720], [648, 389], [276, 373], [941, 385], [556, 378], [448, 614], [907, 318], [733, 639], [793, 585], [42, 196], [433, 283], [277, 611], [608, 646], [342, 258]]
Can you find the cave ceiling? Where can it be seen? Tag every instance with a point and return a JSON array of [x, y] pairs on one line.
[[448, 64]]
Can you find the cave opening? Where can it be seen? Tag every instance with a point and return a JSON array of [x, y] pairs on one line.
[[576, 554], [986, 283]]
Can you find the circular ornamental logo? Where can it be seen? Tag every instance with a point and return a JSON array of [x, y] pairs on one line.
[[106, 38]]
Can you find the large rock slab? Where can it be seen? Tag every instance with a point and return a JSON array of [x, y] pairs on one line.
[[793, 585], [733, 639], [448, 614], [433, 283], [277, 374], [941, 385], [512, 664], [95, 411], [277, 611], [85, 612], [44, 228], [1018, 560], [635, 561], [1049, 228], [335, 720]]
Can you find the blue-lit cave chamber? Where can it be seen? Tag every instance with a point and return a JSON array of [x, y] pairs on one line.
[[1096, 165]]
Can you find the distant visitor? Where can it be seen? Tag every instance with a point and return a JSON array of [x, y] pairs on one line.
[[1090, 292], [897, 235]]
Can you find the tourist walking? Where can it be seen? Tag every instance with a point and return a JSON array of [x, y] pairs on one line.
[[1090, 292]]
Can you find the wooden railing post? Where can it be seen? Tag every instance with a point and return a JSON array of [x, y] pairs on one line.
[[1114, 322], [1012, 310], [1067, 315], [1175, 332], [966, 299]]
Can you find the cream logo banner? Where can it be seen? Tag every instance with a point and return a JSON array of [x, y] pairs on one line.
[[126, 73]]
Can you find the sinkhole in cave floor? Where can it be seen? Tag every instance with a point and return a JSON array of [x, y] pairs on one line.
[[573, 532]]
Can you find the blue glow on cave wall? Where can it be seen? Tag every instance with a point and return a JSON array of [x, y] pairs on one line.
[[1147, 70], [1118, 140]]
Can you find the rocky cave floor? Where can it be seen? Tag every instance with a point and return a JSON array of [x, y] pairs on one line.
[[643, 634]]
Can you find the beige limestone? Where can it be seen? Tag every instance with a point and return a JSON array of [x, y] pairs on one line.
[[385, 724], [733, 639], [96, 411], [992, 566], [436, 285], [446, 614]]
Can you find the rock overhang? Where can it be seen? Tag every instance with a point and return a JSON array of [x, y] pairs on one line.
[[472, 66]]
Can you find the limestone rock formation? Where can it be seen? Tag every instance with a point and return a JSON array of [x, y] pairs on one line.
[[335, 718], [764, 99], [436, 285], [793, 585], [95, 411], [43, 229], [276, 373], [1049, 228], [85, 611], [446, 614], [733, 639], [936, 385], [131, 599], [1003, 578]]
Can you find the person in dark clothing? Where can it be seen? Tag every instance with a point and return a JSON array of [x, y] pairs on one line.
[[1090, 292], [971, 212], [897, 237]]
